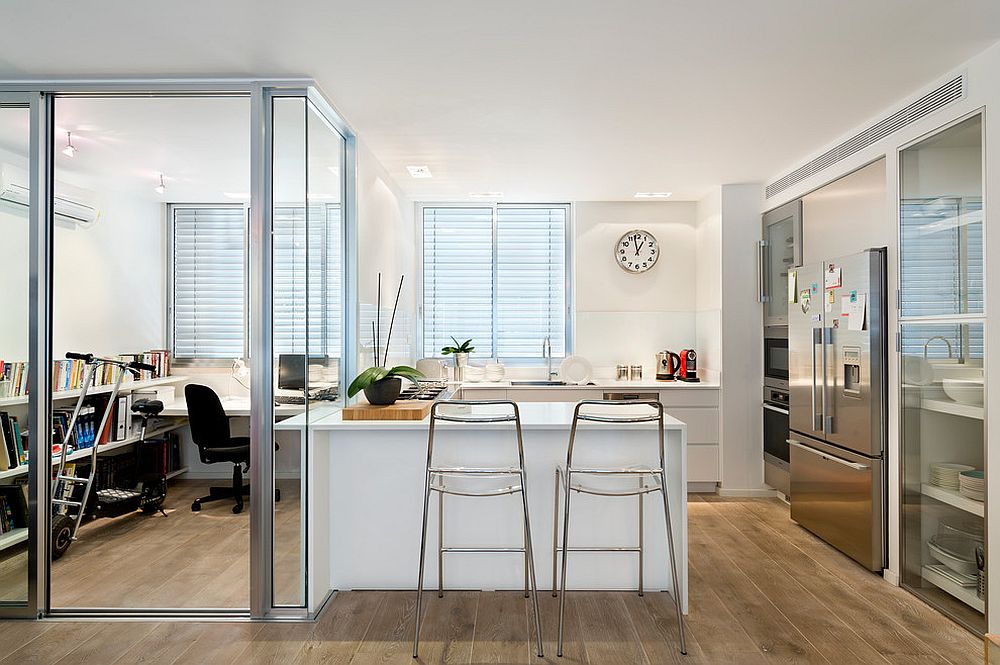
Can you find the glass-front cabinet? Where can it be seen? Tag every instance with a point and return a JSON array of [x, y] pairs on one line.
[[780, 250], [941, 348]]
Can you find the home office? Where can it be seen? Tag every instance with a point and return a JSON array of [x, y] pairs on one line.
[[150, 264]]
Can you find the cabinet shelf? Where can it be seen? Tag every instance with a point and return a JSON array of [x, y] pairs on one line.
[[97, 390], [13, 537], [953, 498], [965, 594], [103, 448]]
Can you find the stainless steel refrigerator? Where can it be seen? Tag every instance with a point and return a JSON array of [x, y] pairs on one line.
[[838, 403]]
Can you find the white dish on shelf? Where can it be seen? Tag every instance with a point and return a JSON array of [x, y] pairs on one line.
[[957, 578], [576, 369], [956, 552], [946, 474], [964, 391]]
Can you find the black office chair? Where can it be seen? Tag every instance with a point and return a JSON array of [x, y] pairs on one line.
[[210, 431]]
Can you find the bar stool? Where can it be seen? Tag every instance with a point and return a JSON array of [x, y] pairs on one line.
[[441, 479], [651, 478]]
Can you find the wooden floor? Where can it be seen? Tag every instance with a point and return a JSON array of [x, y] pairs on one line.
[[762, 590]]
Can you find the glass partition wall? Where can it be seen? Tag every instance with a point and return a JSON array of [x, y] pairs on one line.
[[300, 212], [941, 344]]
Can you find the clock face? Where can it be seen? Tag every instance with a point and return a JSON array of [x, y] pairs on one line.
[[637, 251]]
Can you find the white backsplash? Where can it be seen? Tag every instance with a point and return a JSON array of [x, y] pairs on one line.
[[607, 339]]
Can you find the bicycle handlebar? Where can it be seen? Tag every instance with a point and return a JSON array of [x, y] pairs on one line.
[[130, 364], [85, 357], [135, 364]]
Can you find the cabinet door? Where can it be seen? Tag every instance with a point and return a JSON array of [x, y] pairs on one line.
[[781, 249]]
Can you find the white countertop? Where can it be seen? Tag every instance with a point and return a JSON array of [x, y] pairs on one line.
[[601, 384], [534, 416]]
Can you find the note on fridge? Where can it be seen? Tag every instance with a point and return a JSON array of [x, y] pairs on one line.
[[856, 313], [832, 279]]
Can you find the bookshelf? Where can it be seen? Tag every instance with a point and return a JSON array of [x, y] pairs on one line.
[[97, 390]]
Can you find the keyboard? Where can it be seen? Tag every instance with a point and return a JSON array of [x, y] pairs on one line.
[[289, 399]]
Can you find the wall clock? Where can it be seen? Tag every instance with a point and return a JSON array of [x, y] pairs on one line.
[[637, 251]]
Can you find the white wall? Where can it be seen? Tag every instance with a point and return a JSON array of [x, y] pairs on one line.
[[981, 73], [626, 318], [708, 287], [386, 243]]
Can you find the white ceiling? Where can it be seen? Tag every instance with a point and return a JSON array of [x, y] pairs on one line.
[[563, 99]]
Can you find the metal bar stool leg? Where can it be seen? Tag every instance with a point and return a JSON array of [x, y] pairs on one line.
[[673, 559], [420, 574], [440, 544], [525, 564], [642, 529], [555, 534], [565, 552], [530, 558]]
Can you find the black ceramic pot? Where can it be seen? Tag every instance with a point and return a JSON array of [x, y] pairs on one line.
[[384, 391]]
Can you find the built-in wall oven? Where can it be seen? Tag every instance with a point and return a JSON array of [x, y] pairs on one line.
[[775, 406]]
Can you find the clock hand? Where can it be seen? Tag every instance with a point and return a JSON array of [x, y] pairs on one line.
[[638, 246]]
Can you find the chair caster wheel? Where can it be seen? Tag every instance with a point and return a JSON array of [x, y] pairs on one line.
[[195, 507], [237, 509], [277, 494]]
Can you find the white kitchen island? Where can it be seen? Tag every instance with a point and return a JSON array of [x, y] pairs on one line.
[[368, 482]]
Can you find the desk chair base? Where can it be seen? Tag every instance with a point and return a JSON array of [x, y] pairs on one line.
[[237, 491]]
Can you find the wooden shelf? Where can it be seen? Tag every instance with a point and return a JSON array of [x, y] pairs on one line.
[[953, 498], [13, 537], [97, 390], [953, 408], [965, 594], [103, 448]]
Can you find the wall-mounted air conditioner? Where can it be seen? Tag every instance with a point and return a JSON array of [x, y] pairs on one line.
[[71, 204]]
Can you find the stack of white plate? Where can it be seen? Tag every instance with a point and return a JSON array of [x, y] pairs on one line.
[[972, 484], [946, 474], [495, 372]]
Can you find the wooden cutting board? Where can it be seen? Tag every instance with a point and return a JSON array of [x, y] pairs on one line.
[[411, 409]]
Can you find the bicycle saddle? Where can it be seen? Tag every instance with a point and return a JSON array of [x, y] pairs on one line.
[[148, 407]]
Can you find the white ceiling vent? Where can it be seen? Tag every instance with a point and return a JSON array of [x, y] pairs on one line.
[[937, 99]]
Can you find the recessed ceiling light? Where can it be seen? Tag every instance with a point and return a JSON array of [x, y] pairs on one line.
[[486, 195], [159, 189], [652, 195], [421, 171], [70, 149]]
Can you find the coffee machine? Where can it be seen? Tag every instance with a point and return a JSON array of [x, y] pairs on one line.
[[687, 366], [667, 364]]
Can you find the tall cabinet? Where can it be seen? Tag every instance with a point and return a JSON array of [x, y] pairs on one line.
[[941, 347]]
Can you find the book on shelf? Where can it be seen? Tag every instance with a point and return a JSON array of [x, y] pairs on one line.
[[70, 375], [13, 507], [13, 453]]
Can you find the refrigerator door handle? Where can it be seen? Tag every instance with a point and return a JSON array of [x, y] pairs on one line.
[[827, 380], [759, 250], [830, 458], [817, 417]]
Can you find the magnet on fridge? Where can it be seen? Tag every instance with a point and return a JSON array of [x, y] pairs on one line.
[[814, 288], [792, 292], [854, 296], [830, 297]]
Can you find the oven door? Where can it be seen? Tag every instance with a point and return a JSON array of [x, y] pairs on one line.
[[776, 435], [776, 362]]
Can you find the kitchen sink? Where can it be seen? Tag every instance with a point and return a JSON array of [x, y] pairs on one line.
[[538, 383]]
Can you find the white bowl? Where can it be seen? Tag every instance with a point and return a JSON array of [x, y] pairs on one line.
[[474, 374], [964, 391], [956, 552]]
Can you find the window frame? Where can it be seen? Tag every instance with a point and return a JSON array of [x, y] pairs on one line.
[[168, 244], [494, 206]]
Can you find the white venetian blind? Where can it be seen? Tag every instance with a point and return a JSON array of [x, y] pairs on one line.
[[209, 282], [531, 280], [497, 276], [458, 278]]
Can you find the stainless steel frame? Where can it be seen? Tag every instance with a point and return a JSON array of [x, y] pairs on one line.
[[435, 480], [39, 96], [657, 483]]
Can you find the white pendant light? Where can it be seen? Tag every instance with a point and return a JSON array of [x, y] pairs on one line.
[[159, 189], [70, 149]]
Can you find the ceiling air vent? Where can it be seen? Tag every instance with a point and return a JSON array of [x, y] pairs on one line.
[[940, 97]]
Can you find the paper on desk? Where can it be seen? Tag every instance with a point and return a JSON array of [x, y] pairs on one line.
[[856, 312]]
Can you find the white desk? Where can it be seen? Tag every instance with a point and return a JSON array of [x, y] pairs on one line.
[[233, 406]]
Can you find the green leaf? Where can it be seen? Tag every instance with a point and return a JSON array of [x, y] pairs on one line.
[[365, 379], [406, 372]]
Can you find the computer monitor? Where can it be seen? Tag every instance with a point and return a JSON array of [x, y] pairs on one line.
[[292, 371]]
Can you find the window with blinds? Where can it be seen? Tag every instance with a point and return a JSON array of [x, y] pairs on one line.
[[209, 313], [209, 282], [496, 274], [941, 269]]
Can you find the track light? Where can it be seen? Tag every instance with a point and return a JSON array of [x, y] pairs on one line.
[[70, 149], [159, 189]]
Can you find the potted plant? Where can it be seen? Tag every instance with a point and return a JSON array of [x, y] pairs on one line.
[[382, 385], [460, 351]]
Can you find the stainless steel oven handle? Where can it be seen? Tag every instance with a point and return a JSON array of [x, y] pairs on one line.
[[831, 458], [776, 409]]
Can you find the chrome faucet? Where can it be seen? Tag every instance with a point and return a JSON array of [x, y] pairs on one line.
[[943, 339], [547, 355]]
